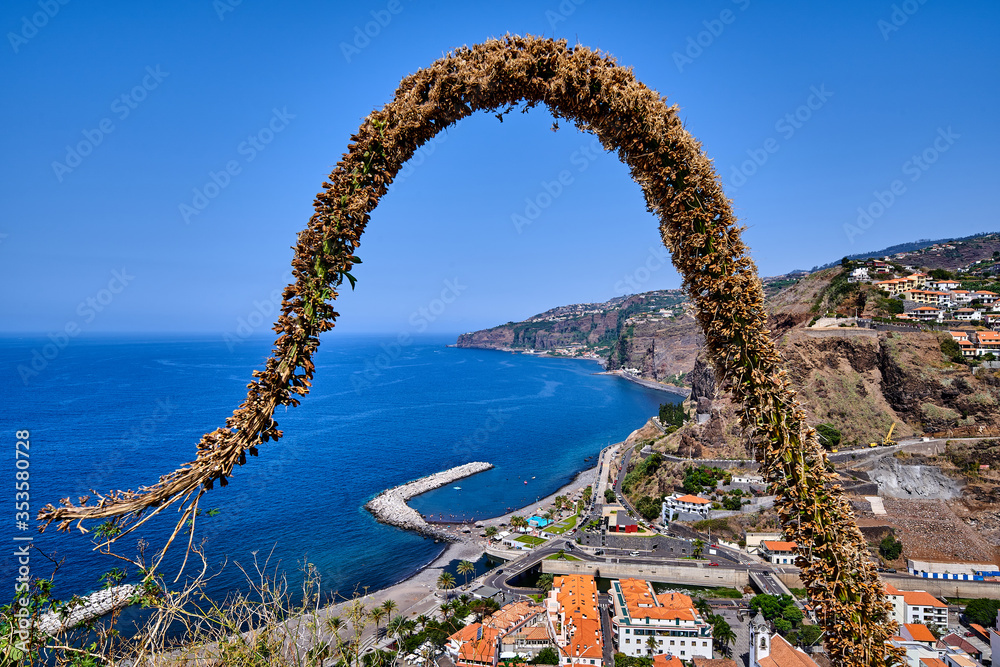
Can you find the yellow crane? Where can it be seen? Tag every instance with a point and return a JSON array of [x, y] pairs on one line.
[[887, 441]]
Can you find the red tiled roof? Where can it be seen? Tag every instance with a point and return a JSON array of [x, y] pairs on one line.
[[779, 546], [692, 499], [922, 599], [783, 655], [667, 661], [919, 632]]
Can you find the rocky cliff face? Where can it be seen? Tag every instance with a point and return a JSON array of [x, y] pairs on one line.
[[659, 349]]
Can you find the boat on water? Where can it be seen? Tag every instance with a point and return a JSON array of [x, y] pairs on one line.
[[457, 488]]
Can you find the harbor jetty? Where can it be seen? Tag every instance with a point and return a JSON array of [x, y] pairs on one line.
[[390, 506], [89, 607]]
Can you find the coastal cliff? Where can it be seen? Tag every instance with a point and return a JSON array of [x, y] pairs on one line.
[[390, 506]]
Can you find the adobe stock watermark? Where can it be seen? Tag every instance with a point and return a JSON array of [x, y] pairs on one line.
[[562, 13], [914, 168], [419, 320], [419, 158], [657, 258], [900, 14], [786, 126], [31, 25], [86, 311], [696, 44], [223, 7], [249, 149], [263, 312], [549, 191], [122, 107], [141, 436], [477, 440], [363, 36]]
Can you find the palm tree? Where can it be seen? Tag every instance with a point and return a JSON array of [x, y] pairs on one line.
[[724, 635], [466, 567], [377, 614], [491, 532], [699, 546], [545, 582], [518, 521], [397, 628], [701, 604], [446, 581], [389, 606], [334, 624], [422, 620], [651, 644]]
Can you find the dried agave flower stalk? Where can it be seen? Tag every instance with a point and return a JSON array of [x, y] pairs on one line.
[[697, 225]]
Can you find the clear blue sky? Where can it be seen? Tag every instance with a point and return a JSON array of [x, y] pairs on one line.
[[886, 81]]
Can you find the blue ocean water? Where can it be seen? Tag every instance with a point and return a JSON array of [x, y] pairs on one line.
[[118, 412]]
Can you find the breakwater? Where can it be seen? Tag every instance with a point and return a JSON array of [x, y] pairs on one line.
[[90, 607], [390, 506]]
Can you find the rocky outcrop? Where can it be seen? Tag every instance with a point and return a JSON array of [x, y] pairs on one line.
[[390, 506], [90, 607], [913, 481], [658, 348]]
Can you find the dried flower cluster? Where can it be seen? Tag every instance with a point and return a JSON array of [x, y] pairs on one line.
[[697, 225]]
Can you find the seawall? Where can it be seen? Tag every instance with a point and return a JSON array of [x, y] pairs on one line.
[[390, 506]]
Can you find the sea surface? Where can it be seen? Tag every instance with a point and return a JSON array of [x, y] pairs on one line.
[[117, 412]]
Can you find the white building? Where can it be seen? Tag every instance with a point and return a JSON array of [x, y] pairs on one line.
[[674, 505], [646, 624], [778, 553], [943, 570], [916, 607]]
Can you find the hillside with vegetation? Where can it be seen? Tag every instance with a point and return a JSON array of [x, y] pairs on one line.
[[854, 383]]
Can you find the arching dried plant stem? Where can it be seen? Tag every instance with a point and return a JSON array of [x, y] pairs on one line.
[[697, 225]]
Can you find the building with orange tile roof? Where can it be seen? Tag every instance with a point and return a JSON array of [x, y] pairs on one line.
[[916, 607], [714, 662], [778, 553], [645, 623], [667, 660], [917, 632], [478, 644], [932, 662], [575, 621]]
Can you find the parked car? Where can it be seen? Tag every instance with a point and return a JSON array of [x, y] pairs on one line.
[[713, 564]]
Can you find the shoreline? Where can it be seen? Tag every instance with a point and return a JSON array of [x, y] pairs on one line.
[[544, 353], [650, 384], [413, 590]]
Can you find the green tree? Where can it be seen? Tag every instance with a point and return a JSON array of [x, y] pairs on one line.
[[491, 532], [951, 349], [770, 606], [792, 614], [446, 581], [609, 495], [651, 646], [890, 547], [809, 634], [723, 634], [545, 582], [697, 546], [982, 611], [466, 568], [547, 656], [648, 507], [376, 614], [389, 605], [829, 436]]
